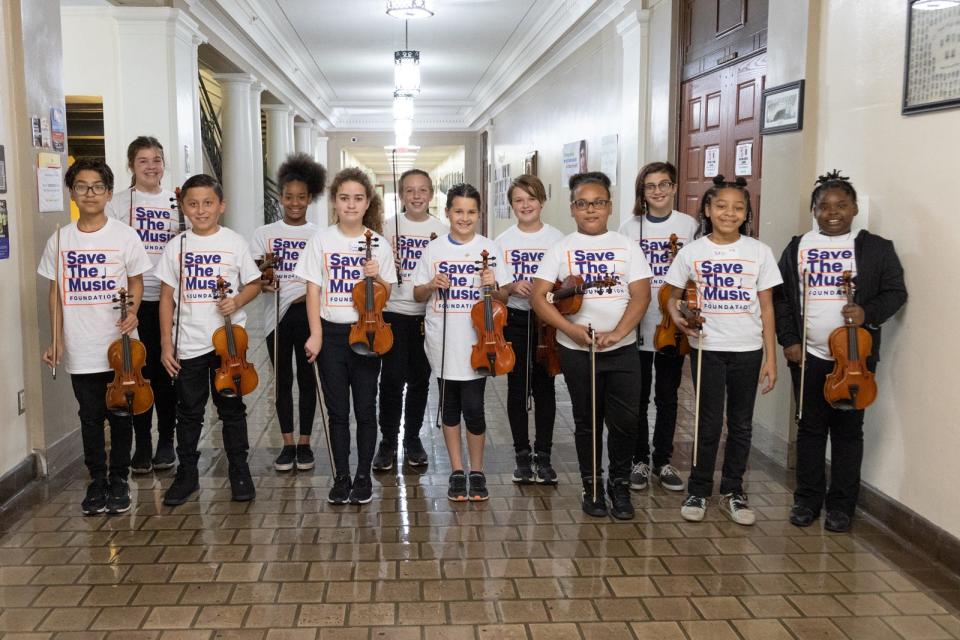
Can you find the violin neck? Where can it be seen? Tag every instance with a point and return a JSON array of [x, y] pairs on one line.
[[127, 357], [368, 303], [231, 345], [488, 308], [853, 349]]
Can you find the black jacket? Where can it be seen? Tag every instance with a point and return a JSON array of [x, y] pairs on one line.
[[881, 290]]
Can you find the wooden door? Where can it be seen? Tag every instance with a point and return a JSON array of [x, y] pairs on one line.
[[720, 111]]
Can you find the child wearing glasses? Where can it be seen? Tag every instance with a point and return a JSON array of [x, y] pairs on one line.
[[97, 257], [654, 222], [608, 318]]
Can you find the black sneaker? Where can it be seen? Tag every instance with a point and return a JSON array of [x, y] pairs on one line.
[[457, 491], [165, 456], [141, 461], [596, 508], [669, 477], [286, 459], [241, 484], [621, 507], [386, 454], [801, 515], [340, 492], [523, 474], [414, 452], [543, 472], [118, 496], [186, 482], [305, 459], [362, 490], [837, 521], [478, 487], [95, 501]]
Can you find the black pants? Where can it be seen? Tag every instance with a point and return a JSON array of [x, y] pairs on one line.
[[343, 373], [541, 385], [90, 389], [405, 364], [463, 398], [845, 429], [294, 331], [728, 377], [669, 370], [194, 386], [618, 406], [164, 392]]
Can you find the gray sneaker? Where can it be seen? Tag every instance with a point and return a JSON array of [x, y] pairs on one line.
[[694, 508], [640, 476], [669, 477], [735, 507]]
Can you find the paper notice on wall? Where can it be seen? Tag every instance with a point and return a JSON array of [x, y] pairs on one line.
[[45, 140], [574, 159], [744, 158], [49, 188], [608, 157], [711, 161], [4, 231]]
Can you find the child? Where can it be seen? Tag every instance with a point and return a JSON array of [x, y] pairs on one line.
[[333, 264], [406, 365], [522, 247], [607, 319], [188, 272], [654, 221], [150, 210], [87, 263], [449, 276], [734, 275], [880, 293], [300, 181]]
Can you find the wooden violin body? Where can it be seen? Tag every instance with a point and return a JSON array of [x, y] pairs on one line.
[[567, 296], [690, 306], [851, 385], [370, 335], [235, 377], [130, 393], [491, 355], [667, 338], [547, 354]]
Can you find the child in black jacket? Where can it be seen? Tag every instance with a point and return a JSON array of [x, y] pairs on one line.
[[812, 268]]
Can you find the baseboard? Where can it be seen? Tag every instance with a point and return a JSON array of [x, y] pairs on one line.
[[18, 478], [64, 452]]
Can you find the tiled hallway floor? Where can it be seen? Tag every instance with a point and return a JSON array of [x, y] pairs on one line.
[[526, 564]]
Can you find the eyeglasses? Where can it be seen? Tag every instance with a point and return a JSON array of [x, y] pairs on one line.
[[583, 205], [81, 189], [650, 187]]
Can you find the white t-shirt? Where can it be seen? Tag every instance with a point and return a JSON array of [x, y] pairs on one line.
[[90, 270], [155, 219], [729, 278], [334, 262], [654, 240], [824, 259], [522, 252], [593, 257], [287, 243], [459, 262], [414, 237], [224, 253]]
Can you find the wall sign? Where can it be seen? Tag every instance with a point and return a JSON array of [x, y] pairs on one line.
[[711, 161], [931, 74], [744, 158]]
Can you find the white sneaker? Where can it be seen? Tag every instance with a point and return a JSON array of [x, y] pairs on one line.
[[693, 508], [640, 476], [735, 507]]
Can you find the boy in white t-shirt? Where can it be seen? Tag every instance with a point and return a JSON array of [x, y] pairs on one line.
[[607, 320], [188, 271], [654, 222], [87, 263], [450, 280]]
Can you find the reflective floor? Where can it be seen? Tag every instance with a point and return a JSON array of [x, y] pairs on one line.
[[526, 564]]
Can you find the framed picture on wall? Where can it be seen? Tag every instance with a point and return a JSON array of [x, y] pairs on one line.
[[782, 108], [931, 70], [530, 164]]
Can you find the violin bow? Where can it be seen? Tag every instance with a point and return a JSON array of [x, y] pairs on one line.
[[443, 357], [323, 418], [696, 403], [56, 308], [593, 404], [276, 342], [803, 347], [183, 235], [396, 213], [529, 365]]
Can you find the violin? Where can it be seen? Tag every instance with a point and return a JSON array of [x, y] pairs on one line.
[[129, 394], [491, 355], [235, 377], [851, 385], [547, 354], [567, 296], [370, 335], [668, 339], [690, 307]]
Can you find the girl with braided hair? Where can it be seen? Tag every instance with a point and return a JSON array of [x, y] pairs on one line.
[[812, 268]]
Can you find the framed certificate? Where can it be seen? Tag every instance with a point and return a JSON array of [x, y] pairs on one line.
[[931, 73]]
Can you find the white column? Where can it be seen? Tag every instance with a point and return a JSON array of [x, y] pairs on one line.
[[303, 136], [320, 148], [278, 146], [237, 153], [291, 138], [257, 134], [633, 29]]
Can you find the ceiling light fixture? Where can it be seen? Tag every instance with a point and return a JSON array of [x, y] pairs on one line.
[[402, 107], [410, 9], [402, 130]]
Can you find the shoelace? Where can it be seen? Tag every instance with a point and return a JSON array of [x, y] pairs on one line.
[[642, 468], [669, 470], [694, 501], [738, 501]]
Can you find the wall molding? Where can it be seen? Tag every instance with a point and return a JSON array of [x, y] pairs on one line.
[[14, 481]]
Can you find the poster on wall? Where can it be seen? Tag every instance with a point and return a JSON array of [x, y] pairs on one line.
[[3, 170], [711, 161], [49, 183], [574, 159], [501, 184], [931, 75], [35, 133], [45, 140], [4, 231], [744, 158], [58, 127], [608, 157]]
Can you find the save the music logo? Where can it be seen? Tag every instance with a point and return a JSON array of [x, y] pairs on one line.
[[155, 227], [409, 250], [91, 276], [597, 265], [657, 251], [344, 269], [727, 285], [464, 289], [824, 267], [523, 263], [287, 252], [200, 271]]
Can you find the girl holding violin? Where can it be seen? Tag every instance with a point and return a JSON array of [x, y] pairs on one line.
[[333, 264], [660, 231], [811, 306], [455, 272], [151, 211], [731, 277], [189, 271], [87, 263], [277, 248], [598, 339]]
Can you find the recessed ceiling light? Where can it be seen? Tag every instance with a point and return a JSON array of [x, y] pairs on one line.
[[934, 5]]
